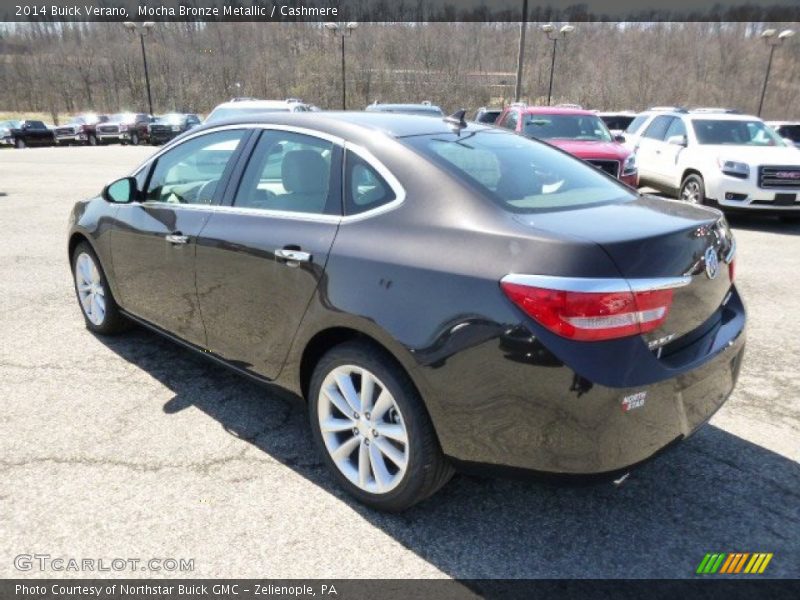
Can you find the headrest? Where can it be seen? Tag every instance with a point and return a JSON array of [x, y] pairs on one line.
[[304, 172]]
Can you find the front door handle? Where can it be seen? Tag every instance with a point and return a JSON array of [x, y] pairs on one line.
[[177, 238], [292, 257]]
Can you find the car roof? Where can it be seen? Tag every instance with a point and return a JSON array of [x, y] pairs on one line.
[[410, 106], [782, 123], [256, 104], [351, 124], [554, 110], [717, 116]]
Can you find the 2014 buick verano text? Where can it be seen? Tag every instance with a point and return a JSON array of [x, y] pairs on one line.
[[443, 295]]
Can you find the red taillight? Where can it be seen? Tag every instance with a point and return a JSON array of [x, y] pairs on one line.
[[592, 316], [732, 269]]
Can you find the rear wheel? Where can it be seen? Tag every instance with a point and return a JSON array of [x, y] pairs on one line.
[[92, 139], [372, 429], [99, 308], [693, 190]]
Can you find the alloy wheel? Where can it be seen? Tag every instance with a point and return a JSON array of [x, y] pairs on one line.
[[691, 192], [91, 292], [363, 429]]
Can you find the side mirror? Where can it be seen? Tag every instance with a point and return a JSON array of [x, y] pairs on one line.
[[620, 139], [678, 140], [121, 191]]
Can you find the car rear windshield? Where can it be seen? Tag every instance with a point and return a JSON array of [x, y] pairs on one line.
[[228, 113], [735, 133], [566, 127], [520, 174]]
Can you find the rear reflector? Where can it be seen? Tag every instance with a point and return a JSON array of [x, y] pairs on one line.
[[592, 316]]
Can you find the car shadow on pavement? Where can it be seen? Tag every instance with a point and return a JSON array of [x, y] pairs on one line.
[[714, 493], [764, 223]]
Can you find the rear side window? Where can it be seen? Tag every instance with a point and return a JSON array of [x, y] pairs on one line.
[[520, 174], [365, 188], [658, 128]]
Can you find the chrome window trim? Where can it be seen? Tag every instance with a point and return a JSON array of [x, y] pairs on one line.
[[597, 284], [366, 155], [241, 210]]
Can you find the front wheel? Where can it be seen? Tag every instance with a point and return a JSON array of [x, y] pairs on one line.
[[134, 139], [693, 190], [19, 143], [99, 308], [372, 429], [92, 139]]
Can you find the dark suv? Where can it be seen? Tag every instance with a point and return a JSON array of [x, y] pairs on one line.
[[169, 126]]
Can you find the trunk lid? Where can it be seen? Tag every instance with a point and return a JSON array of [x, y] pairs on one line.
[[655, 238]]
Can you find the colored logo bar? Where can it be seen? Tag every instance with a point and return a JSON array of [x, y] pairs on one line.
[[734, 563]]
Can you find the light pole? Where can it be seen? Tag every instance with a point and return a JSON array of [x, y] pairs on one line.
[[142, 29], [342, 32], [773, 39], [522, 26], [555, 35]]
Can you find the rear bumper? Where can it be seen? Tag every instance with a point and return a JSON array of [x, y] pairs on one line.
[[523, 408]]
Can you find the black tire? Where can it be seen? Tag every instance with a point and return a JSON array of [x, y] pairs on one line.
[[427, 468], [91, 140], [113, 321], [693, 189], [19, 143], [134, 139]]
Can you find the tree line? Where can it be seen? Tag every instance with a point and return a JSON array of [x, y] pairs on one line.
[[71, 67]]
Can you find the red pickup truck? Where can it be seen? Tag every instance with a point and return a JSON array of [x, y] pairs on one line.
[[580, 132]]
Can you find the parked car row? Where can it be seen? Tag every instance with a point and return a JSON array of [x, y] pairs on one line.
[[708, 155], [94, 129]]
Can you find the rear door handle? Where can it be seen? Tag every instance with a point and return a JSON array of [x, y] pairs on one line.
[[292, 257], [176, 238]]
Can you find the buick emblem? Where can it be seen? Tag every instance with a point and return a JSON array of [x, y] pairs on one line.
[[712, 263], [788, 174]]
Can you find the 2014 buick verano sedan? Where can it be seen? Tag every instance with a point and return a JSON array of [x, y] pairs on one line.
[[443, 295]]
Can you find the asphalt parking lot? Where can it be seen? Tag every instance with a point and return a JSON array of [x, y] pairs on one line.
[[132, 447]]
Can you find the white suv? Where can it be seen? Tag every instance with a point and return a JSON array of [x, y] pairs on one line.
[[730, 160], [240, 107]]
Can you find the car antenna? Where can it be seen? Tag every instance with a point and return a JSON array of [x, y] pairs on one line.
[[457, 120]]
